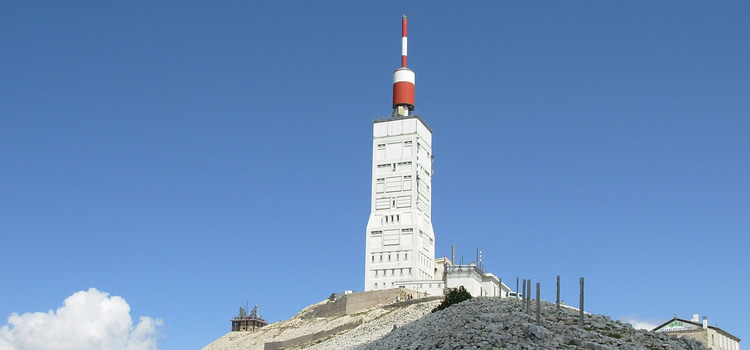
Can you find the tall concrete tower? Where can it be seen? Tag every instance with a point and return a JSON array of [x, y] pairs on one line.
[[400, 243]]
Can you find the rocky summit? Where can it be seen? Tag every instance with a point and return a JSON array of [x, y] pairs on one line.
[[479, 323], [490, 323]]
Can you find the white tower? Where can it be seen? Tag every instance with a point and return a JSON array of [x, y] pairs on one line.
[[400, 243]]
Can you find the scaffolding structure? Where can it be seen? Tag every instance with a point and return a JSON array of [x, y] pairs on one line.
[[244, 322]]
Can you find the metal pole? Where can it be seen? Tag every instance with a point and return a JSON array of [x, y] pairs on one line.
[[538, 307], [501, 286], [580, 311], [558, 293], [528, 298], [523, 293], [516, 286]]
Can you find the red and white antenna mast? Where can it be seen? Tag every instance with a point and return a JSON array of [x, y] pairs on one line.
[[403, 41], [403, 80]]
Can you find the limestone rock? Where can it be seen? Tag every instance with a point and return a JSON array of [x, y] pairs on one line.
[[479, 323]]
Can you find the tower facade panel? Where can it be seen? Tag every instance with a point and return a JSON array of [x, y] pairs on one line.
[[400, 243]]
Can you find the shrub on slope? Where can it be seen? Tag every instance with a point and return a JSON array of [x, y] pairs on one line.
[[455, 296]]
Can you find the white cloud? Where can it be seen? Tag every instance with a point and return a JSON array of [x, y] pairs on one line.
[[87, 320], [640, 324]]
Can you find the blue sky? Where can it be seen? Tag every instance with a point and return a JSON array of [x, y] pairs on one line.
[[190, 157]]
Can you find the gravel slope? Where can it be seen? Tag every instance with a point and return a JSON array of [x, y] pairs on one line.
[[377, 322], [479, 323], [490, 323]]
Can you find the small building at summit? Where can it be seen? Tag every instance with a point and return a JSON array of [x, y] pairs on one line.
[[713, 337]]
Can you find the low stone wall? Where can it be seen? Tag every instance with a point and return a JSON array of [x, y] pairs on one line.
[[355, 302], [359, 301], [329, 309], [278, 345], [346, 305], [412, 302]]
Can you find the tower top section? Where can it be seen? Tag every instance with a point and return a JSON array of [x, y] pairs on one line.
[[403, 79]]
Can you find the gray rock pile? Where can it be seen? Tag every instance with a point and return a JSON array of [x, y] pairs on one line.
[[491, 323], [479, 323]]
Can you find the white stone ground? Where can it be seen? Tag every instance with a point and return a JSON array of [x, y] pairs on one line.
[[480, 323], [377, 322]]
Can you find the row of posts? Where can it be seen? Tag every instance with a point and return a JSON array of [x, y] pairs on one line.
[[526, 302]]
